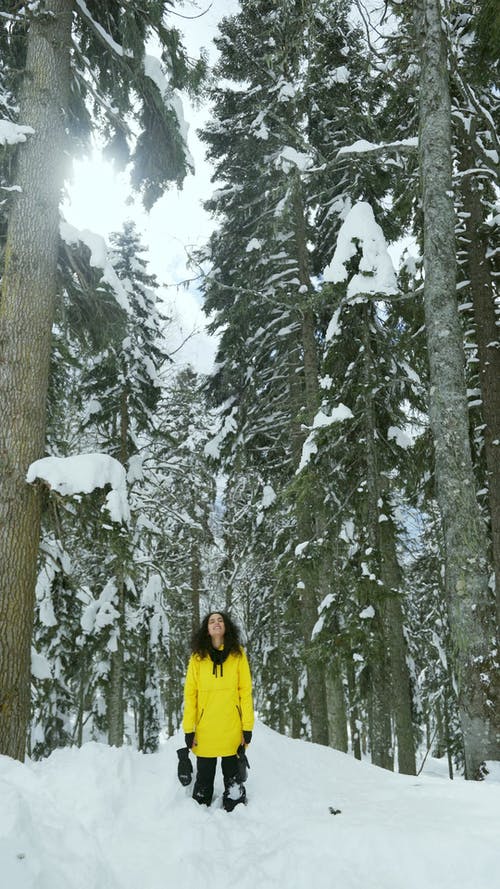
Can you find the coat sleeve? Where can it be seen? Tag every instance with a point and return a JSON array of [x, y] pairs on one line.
[[190, 697], [245, 693]]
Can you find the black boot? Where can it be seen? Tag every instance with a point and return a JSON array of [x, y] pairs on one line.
[[202, 794], [234, 794]]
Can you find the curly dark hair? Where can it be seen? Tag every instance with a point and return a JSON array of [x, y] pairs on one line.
[[201, 642]]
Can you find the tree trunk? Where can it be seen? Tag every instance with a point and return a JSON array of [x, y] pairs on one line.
[[337, 719], [82, 691], [116, 723], [354, 716], [305, 401], [379, 667], [487, 338], [196, 580], [472, 626], [26, 314], [116, 704], [400, 674], [142, 681]]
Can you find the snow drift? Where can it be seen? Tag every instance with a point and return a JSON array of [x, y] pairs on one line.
[[103, 818]]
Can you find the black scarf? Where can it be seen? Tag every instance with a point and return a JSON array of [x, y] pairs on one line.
[[218, 657]]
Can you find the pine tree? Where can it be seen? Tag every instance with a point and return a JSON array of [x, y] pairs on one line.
[[275, 294], [472, 627], [110, 43], [475, 144]]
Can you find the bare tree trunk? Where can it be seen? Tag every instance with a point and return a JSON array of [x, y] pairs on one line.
[[379, 667], [337, 718], [26, 314], [142, 685], [116, 704], [472, 625], [115, 713], [487, 337], [400, 674], [82, 689], [304, 403], [354, 717], [196, 579]]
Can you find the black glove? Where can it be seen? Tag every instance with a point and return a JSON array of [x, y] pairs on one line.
[[243, 764], [185, 767], [189, 739], [247, 736]]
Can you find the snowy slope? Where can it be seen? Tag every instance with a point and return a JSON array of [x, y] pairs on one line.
[[102, 818]]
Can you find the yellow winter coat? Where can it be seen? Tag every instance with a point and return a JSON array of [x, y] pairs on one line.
[[218, 703]]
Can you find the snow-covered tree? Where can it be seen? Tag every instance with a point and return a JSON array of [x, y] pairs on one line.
[[472, 622], [85, 68]]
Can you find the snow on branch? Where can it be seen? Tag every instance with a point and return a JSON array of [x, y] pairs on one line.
[[360, 233], [321, 420], [82, 474], [227, 426], [98, 258], [40, 666], [362, 146], [289, 157], [106, 38], [12, 133], [171, 98]]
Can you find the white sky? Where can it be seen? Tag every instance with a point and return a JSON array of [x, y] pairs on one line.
[[99, 199]]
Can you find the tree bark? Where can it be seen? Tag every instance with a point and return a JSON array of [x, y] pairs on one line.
[[337, 719], [400, 674], [116, 703], [26, 314], [116, 722], [379, 672], [488, 346], [354, 716], [142, 683], [472, 626], [196, 581], [305, 402]]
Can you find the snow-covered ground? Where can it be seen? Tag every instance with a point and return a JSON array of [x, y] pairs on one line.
[[102, 818]]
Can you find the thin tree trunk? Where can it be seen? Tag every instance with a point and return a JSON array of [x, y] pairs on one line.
[[304, 402], [296, 711], [142, 686], [116, 722], [354, 717], [487, 339], [82, 687], [400, 674], [26, 314], [472, 625], [196, 578], [116, 704], [337, 718], [379, 667]]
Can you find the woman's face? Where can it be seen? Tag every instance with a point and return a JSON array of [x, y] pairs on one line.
[[216, 625]]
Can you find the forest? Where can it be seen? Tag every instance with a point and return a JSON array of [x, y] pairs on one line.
[[334, 484]]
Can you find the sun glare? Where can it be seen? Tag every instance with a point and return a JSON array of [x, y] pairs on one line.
[[97, 197]]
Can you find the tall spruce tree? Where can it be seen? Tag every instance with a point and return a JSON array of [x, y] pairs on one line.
[[473, 630], [264, 254], [74, 54], [257, 145]]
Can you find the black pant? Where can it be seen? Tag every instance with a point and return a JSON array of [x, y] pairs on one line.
[[205, 774]]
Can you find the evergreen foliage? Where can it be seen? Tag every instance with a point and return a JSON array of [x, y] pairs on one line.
[[298, 486]]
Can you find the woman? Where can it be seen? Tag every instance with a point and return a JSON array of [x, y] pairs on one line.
[[218, 708]]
